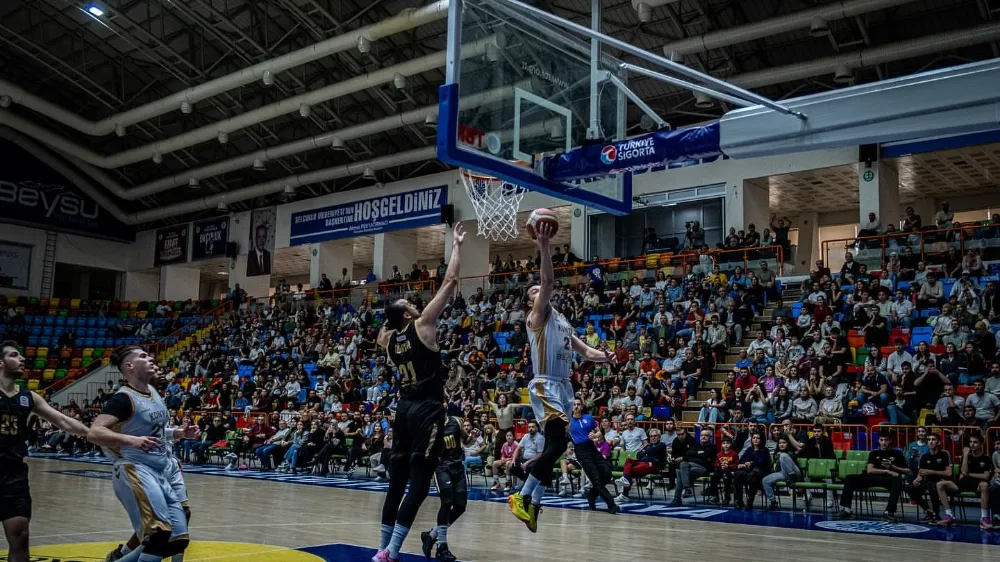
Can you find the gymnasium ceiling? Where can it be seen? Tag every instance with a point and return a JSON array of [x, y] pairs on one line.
[[143, 50], [960, 172]]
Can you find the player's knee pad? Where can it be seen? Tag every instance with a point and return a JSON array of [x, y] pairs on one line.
[[158, 544]]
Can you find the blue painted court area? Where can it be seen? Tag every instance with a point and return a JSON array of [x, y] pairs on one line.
[[352, 553], [785, 519]]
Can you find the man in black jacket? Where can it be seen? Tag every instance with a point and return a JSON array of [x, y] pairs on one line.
[[696, 460], [650, 460]]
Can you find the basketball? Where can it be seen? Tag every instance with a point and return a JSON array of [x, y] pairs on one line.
[[539, 216]]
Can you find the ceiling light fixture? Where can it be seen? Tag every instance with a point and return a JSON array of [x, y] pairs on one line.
[[369, 174], [258, 164], [186, 107], [336, 143], [703, 101], [95, 10], [222, 207], [193, 183], [223, 137], [157, 158], [364, 44]]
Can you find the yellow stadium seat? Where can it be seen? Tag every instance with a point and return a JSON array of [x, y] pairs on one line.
[[42, 353], [74, 304], [49, 374], [33, 384]]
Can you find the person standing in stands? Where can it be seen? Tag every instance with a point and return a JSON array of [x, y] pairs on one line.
[[886, 469], [409, 337]]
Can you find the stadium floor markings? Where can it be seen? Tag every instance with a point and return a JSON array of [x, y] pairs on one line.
[[226, 510]]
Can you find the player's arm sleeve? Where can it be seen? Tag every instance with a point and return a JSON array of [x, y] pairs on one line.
[[119, 406]]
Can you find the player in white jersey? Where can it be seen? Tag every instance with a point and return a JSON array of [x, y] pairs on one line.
[[131, 429], [553, 342], [175, 477]]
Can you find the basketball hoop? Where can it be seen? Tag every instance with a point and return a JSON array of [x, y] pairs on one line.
[[496, 202]]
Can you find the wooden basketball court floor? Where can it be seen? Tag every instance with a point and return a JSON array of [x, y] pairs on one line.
[[250, 517]]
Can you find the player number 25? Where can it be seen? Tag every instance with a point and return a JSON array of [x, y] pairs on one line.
[[407, 374]]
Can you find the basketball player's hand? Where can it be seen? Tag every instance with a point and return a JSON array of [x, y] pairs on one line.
[[459, 234], [543, 233], [145, 444], [190, 432]]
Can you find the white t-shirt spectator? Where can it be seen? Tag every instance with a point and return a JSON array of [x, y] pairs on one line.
[[531, 447], [985, 405], [292, 389], [760, 344], [633, 439], [941, 407]]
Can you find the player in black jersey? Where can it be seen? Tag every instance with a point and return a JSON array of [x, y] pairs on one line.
[[452, 487], [16, 404], [974, 476], [934, 466], [409, 336]]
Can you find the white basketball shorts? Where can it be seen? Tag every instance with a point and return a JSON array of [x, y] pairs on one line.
[[149, 500], [550, 399]]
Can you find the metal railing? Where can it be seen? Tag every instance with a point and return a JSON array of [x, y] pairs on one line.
[[873, 251], [672, 264]]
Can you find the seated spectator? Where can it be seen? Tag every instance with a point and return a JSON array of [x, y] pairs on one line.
[[933, 467], [725, 467], [804, 408], [650, 459], [886, 469], [697, 460], [786, 469], [974, 476], [473, 445], [987, 406], [831, 408], [505, 462], [755, 462]]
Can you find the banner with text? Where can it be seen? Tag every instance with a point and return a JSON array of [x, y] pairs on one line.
[[210, 239], [171, 245], [369, 216], [37, 196], [659, 148], [15, 266]]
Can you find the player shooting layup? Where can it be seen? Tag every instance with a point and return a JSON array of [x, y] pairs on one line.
[[16, 404], [409, 337], [553, 341], [131, 431]]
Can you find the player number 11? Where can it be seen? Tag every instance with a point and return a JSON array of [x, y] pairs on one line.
[[407, 374]]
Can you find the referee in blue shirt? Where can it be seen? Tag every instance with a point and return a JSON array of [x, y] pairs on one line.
[[594, 465]]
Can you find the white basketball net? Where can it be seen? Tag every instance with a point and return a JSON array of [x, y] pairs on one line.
[[496, 202]]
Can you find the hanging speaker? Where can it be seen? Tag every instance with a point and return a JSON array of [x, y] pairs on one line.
[[448, 214], [868, 153], [232, 250]]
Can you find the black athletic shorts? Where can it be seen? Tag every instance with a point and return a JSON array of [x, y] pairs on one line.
[[418, 430], [15, 494], [451, 481], [968, 484]]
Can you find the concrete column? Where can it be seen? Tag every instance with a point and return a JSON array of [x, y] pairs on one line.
[[331, 258], [808, 249], [746, 203], [579, 233], [878, 192], [179, 283], [394, 248], [475, 258], [141, 286]]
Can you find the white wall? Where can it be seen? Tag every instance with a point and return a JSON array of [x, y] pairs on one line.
[[35, 239], [141, 286], [91, 252]]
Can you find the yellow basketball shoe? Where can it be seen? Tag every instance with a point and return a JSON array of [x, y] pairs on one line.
[[516, 503]]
